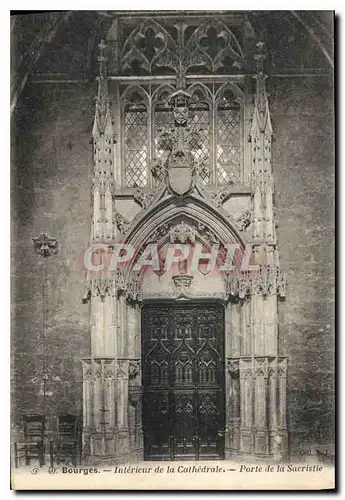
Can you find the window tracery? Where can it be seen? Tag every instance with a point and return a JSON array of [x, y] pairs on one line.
[[216, 117], [136, 144], [215, 114], [211, 46], [200, 122], [163, 118], [228, 139]]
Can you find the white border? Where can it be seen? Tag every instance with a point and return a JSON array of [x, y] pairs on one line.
[[5, 170]]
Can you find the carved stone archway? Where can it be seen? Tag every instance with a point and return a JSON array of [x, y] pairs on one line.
[[181, 210]]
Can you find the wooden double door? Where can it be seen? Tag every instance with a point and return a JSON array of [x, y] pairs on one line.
[[183, 380]]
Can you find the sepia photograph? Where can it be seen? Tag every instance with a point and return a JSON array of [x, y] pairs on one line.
[[172, 250]]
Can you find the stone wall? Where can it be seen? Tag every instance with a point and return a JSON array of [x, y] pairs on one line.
[[51, 191], [303, 163]]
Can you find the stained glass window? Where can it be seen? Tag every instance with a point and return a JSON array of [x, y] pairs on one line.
[[228, 125], [136, 145], [199, 121], [218, 155]]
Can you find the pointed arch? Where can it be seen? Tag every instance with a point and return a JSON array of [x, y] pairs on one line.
[[232, 87], [201, 87], [195, 209], [201, 43], [132, 51]]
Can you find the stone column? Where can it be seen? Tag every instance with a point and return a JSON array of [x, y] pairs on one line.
[[134, 385], [282, 423], [273, 406], [246, 405], [262, 394], [99, 389], [260, 402], [122, 437], [233, 409]]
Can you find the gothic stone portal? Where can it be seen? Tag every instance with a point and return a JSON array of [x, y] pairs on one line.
[[183, 379], [165, 406]]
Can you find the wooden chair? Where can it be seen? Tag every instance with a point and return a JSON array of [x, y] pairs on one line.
[[32, 447], [66, 444]]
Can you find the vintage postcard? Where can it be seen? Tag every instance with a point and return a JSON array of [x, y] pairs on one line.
[[172, 250]]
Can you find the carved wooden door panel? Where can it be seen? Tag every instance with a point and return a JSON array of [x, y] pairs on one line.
[[183, 379]]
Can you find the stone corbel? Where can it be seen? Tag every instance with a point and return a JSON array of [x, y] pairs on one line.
[[45, 245]]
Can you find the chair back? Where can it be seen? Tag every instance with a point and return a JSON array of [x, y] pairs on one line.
[[34, 427], [67, 427]]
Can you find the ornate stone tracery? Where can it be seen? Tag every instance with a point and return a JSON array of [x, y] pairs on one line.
[[268, 281], [214, 131], [150, 47], [183, 194]]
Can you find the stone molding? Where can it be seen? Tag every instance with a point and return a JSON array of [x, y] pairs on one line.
[[268, 281]]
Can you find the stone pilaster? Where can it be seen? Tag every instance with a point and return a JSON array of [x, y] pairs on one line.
[[103, 185], [233, 408], [261, 372], [99, 397], [257, 416]]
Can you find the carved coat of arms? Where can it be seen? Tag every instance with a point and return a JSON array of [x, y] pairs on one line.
[[179, 167]]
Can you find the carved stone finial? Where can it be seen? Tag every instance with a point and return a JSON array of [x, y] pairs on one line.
[[45, 245], [102, 69], [261, 117], [260, 57], [102, 114]]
